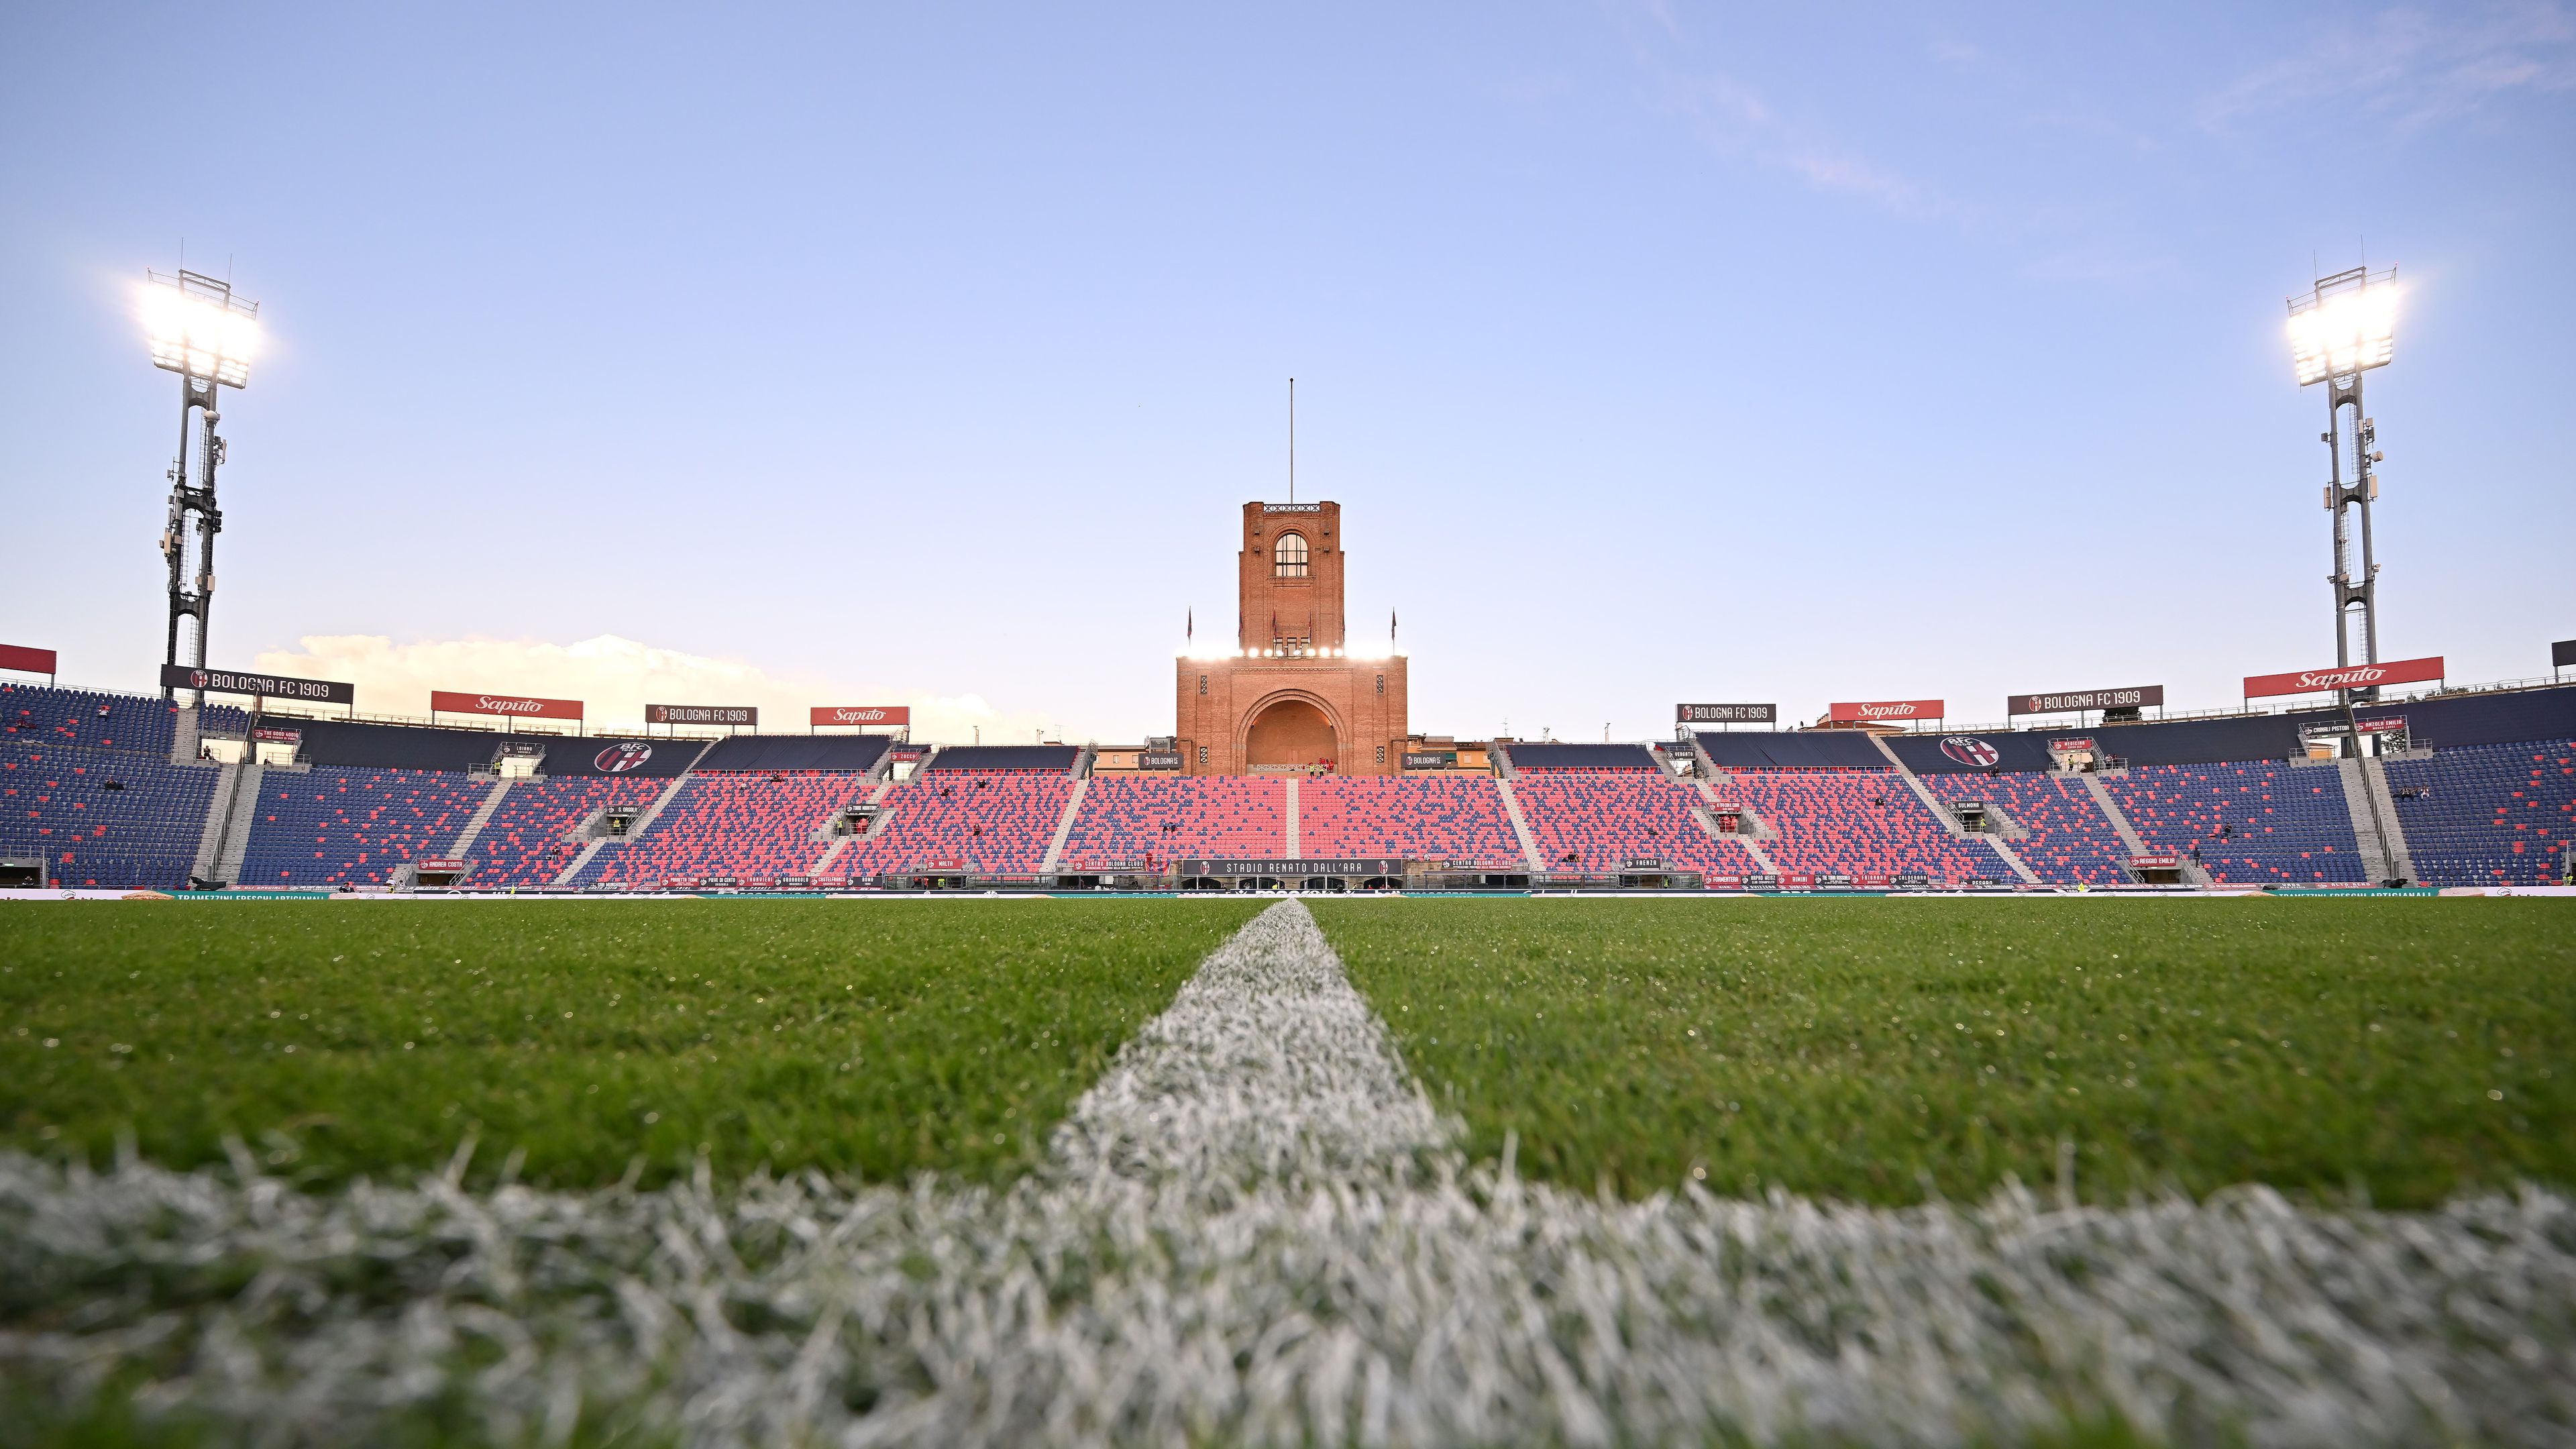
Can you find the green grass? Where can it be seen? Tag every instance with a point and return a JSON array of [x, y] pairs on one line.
[[883, 1037], [1865, 1049]]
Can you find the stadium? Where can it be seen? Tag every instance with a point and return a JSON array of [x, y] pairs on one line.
[[477, 1042], [1291, 766]]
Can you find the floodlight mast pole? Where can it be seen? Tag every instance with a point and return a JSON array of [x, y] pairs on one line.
[[192, 498], [2348, 489], [192, 481]]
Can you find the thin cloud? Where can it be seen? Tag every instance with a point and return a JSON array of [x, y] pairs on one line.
[[615, 677], [1733, 119], [2410, 68]]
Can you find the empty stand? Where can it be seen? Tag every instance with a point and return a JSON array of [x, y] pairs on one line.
[[988, 822], [102, 818], [2246, 824], [1173, 817], [527, 842], [38, 714], [351, 825], [1592, 821], [739, 824], [2487, 814], [1458, 818], [1857, 822], [2071, 841]]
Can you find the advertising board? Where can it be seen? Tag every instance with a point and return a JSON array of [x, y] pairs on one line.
[[2067, 701], [2561, 654], [1240, 867], [825, 716], [520, 706], [2351, 676], [1726, 714], [271, 735], [26, 660], [1878, 711], [2071, 743], [1430, 759], [2154, 862], [702, 714], [1158, 759], [268, 686]]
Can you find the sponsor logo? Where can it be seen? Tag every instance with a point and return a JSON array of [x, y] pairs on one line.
[[2356, 676], [2155, 862], [1969, 750], [1887, 711], [861, 714], [618, 759], [490, 705]]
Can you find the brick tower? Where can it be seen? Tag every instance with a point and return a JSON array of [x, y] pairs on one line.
[[1291, 695]]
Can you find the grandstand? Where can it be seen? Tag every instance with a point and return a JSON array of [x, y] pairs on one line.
[[1457, 818], [978, 820], [1148, 819], [2257, 824], [2067, 838], [2488, 814], [2482, 792], [351, 825]]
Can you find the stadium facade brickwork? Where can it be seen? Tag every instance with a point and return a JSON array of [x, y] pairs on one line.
[[1291, 698]]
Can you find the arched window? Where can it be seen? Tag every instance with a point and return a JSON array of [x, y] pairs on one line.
[[1290, 556]]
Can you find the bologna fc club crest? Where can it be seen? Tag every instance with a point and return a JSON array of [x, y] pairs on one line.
[[618, 759], [1971, 751]]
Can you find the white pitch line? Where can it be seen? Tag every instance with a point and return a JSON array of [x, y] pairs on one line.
[[1268, 1063], [1251, 1231]]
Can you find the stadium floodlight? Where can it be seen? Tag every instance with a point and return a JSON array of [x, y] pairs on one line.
[[198, 329], [2345, 326]]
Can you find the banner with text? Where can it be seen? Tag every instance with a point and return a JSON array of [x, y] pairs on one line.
[[861, 714], [447, 701], [1726, 714], [2354, 676], [272, 686], [1887, 711], [2070, 700], [2561, 654], [26, 660], [702, 714]]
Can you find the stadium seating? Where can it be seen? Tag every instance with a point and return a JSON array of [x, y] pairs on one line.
[[991, 822], [57, 803], [33, 714], [2247, 824], [1592, 821], [1857, 822], [2488, 814], [733, 824], [524, 843], [2071, 841], [1458, 818], [351, 825], [1170, 817]]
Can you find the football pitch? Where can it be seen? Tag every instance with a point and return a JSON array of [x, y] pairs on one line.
[[1223, 1171]]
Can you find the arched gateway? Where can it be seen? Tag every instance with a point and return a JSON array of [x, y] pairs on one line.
[[1290, 695], [1291, 734]]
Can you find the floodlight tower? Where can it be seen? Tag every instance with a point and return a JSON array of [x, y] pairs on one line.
[[201, 331], [2344, 327]]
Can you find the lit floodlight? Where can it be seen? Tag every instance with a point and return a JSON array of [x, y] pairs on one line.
[[2347, 324], [199, 329]]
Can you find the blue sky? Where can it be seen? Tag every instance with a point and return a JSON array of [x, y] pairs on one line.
[[1655, 353]]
